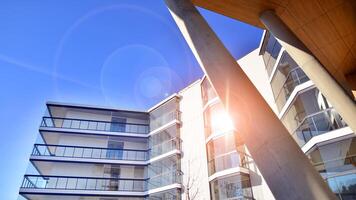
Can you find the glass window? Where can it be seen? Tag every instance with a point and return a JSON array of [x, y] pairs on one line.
[[216, 120], [334, 158], [163, 172], [233, 187], [343, 186], [165, 113], [164, 141], [172, 194], [311, 115], [271, 52], [288, 75], [225, 152], [208, 92]]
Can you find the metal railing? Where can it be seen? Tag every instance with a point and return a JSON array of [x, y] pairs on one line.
[[84, 124], [89, 152], [228, 160], [84, 183], [163, 119], [294, 78], [317, 124], [164, 147]]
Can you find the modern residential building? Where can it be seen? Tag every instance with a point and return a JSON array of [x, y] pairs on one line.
[[186, 147], [312, 121], [319, 36]]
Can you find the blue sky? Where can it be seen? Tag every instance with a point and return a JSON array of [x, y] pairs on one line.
[[123, 53]]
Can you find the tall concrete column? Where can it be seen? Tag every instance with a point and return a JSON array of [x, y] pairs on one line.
[[285, 168], [329, 87]]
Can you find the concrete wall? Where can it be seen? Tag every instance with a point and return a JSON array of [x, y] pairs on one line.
[[253, 65], [194, 159]]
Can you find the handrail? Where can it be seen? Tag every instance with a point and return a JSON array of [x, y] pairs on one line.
[[175, 139], [312, 115], [308, 129], [84, 183], [228, 153], [172, 144], [90, 152], [56, 145], [162, 179], [96, 125], [163, 119], [243, 161], [294, 70], [91, 120], [85, 177]]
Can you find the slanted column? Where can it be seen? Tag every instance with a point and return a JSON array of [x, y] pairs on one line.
[[327, 85], [285, 168]]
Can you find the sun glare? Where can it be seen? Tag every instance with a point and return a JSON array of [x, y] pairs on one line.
[[221, 121]]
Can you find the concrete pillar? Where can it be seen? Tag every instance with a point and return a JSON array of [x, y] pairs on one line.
[[329, 87], [285, 168]]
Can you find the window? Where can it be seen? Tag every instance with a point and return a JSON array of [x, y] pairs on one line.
[[271, 52], [225, 152], [233, 187], [287, 76]]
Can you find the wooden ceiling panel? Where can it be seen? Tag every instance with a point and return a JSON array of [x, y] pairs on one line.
[[326, 27], [305, 10], [247, 11]]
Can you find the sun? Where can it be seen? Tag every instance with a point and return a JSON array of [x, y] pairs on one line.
[[221, 122]]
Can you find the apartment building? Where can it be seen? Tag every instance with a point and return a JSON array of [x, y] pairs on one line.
[[311, 120], [186, 147]]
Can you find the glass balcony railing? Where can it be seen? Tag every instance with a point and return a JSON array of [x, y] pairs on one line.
[[294, 78], [89, 152], [83, 183], [337, 165], [165, 147], [228, 160], [156, 122], [317, 124], [164, 179], [84, 124]]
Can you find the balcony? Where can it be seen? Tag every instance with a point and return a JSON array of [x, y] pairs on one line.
[[317, 124], [163, 119], [294, 78], [93, 125], [164, 179], [89, 152], [227, 161], [80, 184], [165, 147]]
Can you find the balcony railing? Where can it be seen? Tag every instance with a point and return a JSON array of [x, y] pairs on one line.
[[83, 183], [164, 147], [156, 122], [89, 152], [337, 165], [317, 124], [294, 78], [84, 124], [228, 160], [164, 179]]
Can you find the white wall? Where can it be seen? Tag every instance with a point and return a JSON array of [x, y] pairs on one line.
[[252, 64], [194, 160]]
